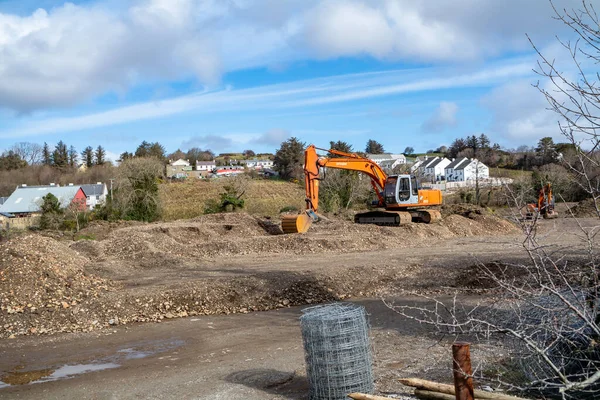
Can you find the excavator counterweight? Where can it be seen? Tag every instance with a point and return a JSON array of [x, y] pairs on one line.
[[400, 195]]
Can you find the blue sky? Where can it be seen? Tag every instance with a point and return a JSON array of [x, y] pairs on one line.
[[231, 75]]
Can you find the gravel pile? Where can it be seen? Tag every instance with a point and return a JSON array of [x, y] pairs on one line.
[[41, 278]]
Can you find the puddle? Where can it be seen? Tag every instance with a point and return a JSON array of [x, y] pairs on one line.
[[133, 354], [47, 375], [25, 377], [142, 350], [68, 371]]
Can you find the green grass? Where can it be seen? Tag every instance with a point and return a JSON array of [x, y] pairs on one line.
[[188, 199], [509, 173]]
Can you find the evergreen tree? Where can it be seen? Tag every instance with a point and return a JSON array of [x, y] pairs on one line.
[[374, 147], [46, 155], [484, 141], [289, 159], [60, 156], [73, 156], [10, 160], [87, 156], [100, 155], [157, 150], [341, 146], [143, 149], [125, 156]]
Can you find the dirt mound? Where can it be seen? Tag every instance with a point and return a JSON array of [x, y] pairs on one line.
[[236, 234], [584, 209], [463, 209], [39, 275]]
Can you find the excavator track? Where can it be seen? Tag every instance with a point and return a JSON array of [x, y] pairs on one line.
[[384, 218], [397, 218]]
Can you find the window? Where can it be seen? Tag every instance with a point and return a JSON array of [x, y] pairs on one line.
[[404, 189]]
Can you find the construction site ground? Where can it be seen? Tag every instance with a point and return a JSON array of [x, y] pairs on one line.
[[145, 310]]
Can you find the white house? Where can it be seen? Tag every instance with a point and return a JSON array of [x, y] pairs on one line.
[[94, 194], [466, 169], [257, 164], [176, 169], [205, 165], [387, 160], [434, 168], [472, 170]]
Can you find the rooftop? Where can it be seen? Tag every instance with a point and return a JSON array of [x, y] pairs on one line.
[[29, 199], [92, 189], [456, 162]]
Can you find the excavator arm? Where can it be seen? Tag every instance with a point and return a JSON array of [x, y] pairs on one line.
[[312, 175], [346, 161]]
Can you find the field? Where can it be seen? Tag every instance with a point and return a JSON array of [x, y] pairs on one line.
[[184, 200]]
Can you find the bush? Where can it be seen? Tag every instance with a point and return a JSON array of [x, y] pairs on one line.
[[136, 193]]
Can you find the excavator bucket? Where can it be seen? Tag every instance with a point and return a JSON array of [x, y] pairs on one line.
[[551, 214], [296, 223]]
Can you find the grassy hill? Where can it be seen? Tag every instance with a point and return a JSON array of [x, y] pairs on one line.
[[183, 200], [509, 173]]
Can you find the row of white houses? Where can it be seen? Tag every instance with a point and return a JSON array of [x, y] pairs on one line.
[[456, 170]]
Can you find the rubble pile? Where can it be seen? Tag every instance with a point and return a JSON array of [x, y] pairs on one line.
[[42, 279]]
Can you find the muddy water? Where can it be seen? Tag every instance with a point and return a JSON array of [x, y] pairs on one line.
[[19, 375]]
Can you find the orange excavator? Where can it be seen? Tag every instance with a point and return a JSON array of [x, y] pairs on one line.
[[544, 206], [399, 195]]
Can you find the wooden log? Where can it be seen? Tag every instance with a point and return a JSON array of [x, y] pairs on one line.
[[449, 389], [462, 370], [429, 395], [363, 396]]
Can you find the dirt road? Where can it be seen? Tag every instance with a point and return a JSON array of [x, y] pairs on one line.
[[252, 356]]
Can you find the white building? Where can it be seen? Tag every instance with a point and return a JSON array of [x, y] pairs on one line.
[[178, 169], [466, 169], [205, 165], [387, 161], [257, 164], [95, 194], [434, 168]]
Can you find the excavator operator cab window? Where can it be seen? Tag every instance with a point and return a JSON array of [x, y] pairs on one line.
[[404, 189], [415, 186]]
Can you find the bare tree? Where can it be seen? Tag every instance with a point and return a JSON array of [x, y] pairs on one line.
[[577, 100], [30, 152], [547, 308]]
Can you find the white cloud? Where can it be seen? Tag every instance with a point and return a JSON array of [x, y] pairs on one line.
[[443, 117], [73, 53], [315, 92], [216, 143], [273, 137], [428, 30]]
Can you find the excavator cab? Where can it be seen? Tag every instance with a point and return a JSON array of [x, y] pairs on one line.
[[401, 189]]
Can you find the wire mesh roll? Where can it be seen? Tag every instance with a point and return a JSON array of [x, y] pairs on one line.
[[337, 350]]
